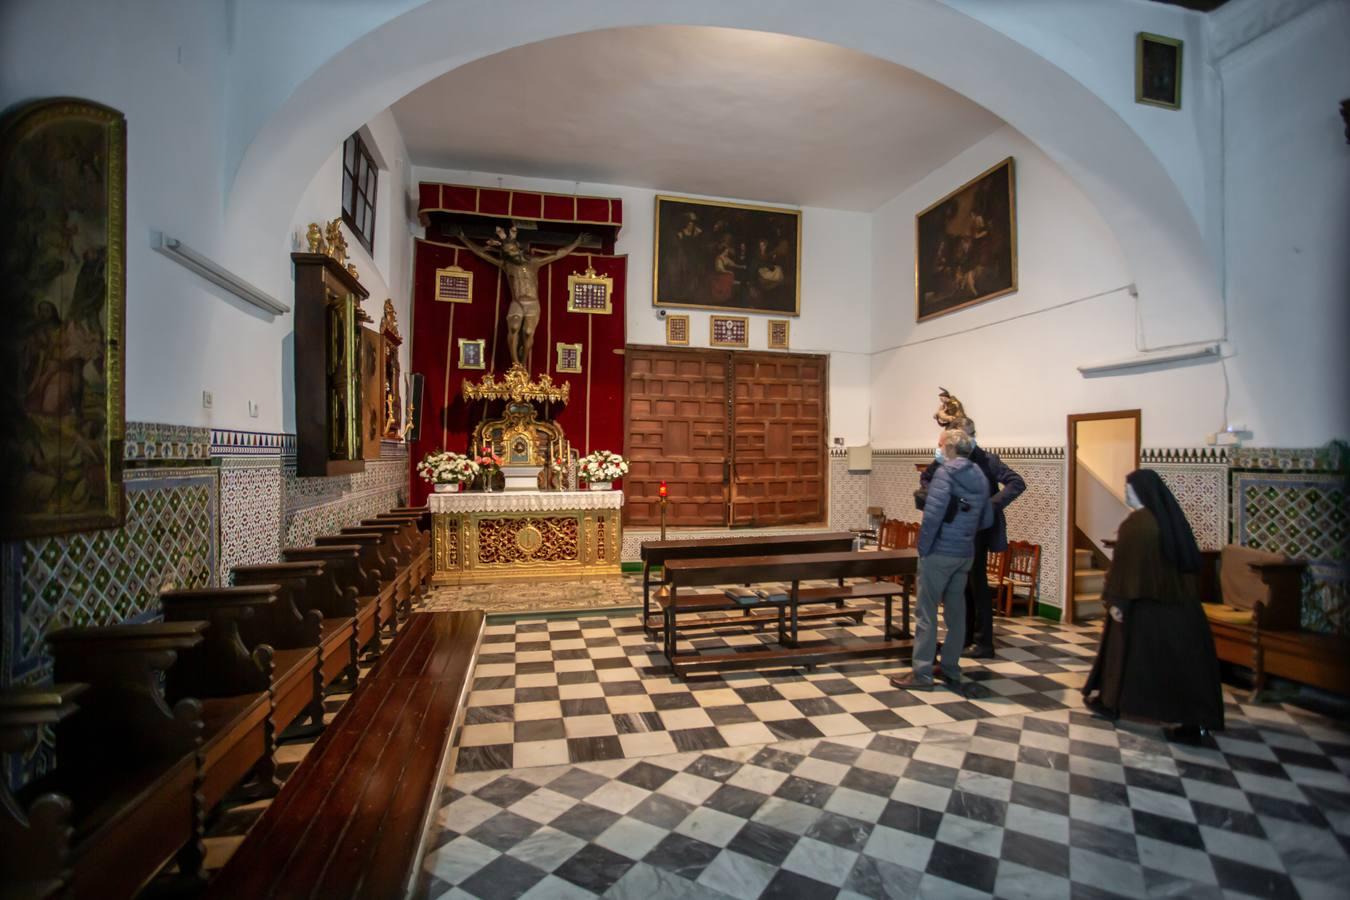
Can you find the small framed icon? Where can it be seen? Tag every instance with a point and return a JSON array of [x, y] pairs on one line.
[[454, 285], [778, 334], [677, 330], [569, 358], [472, 353], [589, 292], [1157, 70], [729, 331]]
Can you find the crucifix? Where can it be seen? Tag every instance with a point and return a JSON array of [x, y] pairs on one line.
[[521, 268]]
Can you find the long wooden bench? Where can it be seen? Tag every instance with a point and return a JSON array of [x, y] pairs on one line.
[[655, 554], [1268, 638], [793, 569], [352, 820]]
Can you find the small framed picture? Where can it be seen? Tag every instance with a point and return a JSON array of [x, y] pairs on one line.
[[677, 330], [454, 285], [1157, 70], [472, 353], [778, 334], [729, 331], [589, 293], [569, 358]]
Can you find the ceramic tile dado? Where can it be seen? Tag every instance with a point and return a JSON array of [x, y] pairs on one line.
[[315, 506], [849, 493], [1198, 478], [154, 442], [250, 511], [104, 577]]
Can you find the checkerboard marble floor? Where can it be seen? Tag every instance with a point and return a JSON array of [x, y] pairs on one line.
[[584, 769]]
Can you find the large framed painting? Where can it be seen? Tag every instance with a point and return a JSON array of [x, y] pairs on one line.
[[966, 244], [728, 256], [62, 255]]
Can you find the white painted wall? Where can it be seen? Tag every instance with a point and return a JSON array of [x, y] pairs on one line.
[[1012, 360], [388, 272], [1286, 175], [836, 287]]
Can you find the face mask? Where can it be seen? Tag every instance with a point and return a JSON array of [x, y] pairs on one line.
[[972, 442], [1131, 498], [939, 456]]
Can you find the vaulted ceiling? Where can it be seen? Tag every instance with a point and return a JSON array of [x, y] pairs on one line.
[[695, 110]]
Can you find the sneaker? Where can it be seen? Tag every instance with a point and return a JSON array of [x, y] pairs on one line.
[[910, 683]]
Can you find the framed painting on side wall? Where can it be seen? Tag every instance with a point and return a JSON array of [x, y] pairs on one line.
[[62, 257], [966, 245], [1157, 70], [727, 256]]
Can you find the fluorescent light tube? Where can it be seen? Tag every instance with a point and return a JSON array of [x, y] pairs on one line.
[[1203, 352], [213, 272]]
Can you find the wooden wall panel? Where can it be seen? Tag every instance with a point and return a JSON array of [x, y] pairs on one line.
[[779, 424]]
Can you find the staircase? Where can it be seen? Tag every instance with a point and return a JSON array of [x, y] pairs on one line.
[[1087, 587]]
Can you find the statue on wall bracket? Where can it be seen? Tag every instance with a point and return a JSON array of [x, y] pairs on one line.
[[949, 409], [522, 273]]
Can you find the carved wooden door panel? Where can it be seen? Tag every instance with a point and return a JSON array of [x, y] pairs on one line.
[[677, 432], [778, 424]]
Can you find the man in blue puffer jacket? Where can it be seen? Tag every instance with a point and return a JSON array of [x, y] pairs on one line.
[[957, 507]]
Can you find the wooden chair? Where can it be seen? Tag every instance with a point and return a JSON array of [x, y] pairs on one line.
[[1021, 579], [897, 535], [996, 567]]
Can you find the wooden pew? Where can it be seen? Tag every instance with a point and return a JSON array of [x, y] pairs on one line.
[[308, 587], [234, 684], [352, 820], [34, 837], [393, 547], [1270, 640], [418, 539], [655, 554], [351, 583], [691, 573], [121, 802], [380, 572]]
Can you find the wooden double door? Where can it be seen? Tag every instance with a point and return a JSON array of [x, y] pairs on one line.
[[738, 437]]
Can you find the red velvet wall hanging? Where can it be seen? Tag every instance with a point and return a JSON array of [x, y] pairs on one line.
[[592, 419]]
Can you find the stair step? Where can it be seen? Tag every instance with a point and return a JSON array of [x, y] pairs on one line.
[[1088, 606], [1088, 581], [1082, 559]]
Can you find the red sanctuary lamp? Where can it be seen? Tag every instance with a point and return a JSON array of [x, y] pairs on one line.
[[663, 493]]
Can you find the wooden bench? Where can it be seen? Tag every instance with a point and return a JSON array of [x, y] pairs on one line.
[[691, 573], [354, 587], [655, 554], [378, 575], [352, 820], [1270, 640], [122, 800]]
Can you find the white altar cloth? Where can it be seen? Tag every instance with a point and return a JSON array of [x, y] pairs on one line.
[[524, 501]]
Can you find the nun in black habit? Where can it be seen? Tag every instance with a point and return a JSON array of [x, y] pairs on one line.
[[1156, 658]]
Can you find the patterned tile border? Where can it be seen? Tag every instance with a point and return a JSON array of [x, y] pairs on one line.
[[225, 442], [155, 442], [1334, 457], [1149, 456]]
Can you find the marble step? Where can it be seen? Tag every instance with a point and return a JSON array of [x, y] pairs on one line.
[[1088, 606], [1088, 581], [1082, 559]]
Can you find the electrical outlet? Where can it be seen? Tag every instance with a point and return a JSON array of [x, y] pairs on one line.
[[253, 409], [207, 400]]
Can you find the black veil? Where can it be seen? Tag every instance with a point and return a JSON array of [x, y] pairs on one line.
[[1178, 541]]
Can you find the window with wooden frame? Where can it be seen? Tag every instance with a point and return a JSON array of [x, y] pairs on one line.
[[359, 180]]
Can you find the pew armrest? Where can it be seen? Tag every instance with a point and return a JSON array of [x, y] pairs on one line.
[[222, 665]]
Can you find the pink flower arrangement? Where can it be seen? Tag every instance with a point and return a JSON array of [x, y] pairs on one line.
[[487, 459]]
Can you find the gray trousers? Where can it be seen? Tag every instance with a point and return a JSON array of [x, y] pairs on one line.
[[942, 579]]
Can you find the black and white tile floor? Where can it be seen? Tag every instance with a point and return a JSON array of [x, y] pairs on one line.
[[584, 770]]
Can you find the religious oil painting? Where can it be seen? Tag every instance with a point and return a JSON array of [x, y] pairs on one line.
[[1157, 70], [62, 244], [727, 256], [966, 245]]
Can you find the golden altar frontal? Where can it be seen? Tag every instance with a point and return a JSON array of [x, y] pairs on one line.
[[525, 535]]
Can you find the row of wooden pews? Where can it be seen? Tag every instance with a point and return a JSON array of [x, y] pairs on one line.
[[156, 723]]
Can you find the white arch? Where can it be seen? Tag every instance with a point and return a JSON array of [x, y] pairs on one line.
[[1175, 276]]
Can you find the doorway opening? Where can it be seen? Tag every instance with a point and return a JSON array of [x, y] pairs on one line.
[[1103, 449]]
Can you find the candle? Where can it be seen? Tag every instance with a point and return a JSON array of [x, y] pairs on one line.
[[662, 491]]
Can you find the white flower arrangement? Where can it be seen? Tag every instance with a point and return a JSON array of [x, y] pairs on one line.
[[602, 465], [444, 467]]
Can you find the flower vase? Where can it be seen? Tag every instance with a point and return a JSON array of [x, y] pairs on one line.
[[450, 487], [601, 485]]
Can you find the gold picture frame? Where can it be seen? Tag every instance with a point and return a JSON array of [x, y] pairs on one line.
[[956, 268], [453, 285], [569, 358], [677, 330], [590, 292], [779, 329], [755, 265], [473, 353], [1157, 70], [729, 331], [63, 165]]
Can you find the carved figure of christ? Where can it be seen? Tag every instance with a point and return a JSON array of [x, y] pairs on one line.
[[522, 274]]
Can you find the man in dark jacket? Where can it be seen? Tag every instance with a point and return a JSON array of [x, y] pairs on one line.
[[957, 509], [1005, 486]]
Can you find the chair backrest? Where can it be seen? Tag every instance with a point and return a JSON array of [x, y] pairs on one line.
[[997, 566], [1024, 562], [890, 534]]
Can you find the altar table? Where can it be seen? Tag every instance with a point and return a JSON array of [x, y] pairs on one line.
[[525, 535]]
